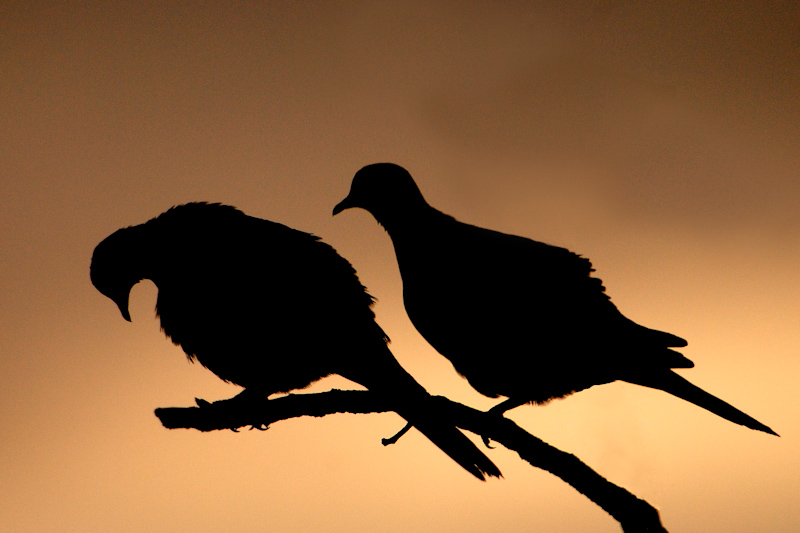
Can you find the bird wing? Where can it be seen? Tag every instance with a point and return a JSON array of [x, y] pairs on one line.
[[480, 275], [549, 285], [488, 300], [251, 298]]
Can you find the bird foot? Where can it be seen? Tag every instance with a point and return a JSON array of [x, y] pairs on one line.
[[396, 436], [230, 405], [202, 403], [499, 411]]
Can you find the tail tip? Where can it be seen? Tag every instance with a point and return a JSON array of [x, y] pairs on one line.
[[770, 431], [758, 426]]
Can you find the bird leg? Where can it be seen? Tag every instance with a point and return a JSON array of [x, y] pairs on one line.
[[499, 410], [247, 400], [506, 405], [396, 436]]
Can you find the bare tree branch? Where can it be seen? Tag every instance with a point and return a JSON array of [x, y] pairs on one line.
[[634, 515]]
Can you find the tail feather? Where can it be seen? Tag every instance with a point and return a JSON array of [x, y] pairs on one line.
[[677, 386]]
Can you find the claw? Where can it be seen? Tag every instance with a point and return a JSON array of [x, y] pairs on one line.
[[486, 441], [202, 403]]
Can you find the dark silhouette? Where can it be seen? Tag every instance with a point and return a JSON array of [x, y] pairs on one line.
[[633, 514], [516, 317], [269, 308]]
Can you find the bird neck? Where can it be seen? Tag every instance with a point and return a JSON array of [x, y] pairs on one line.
[[418, 239], [410, 222], [147, 254]]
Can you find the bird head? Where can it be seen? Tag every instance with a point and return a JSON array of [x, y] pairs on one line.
[[113, 269], [385, 190]]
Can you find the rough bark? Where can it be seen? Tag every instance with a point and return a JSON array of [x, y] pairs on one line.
[[634, 515]]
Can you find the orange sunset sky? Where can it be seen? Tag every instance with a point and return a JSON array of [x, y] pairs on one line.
[[662, 142]]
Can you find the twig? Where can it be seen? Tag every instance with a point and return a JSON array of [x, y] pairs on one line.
[[634, 515]]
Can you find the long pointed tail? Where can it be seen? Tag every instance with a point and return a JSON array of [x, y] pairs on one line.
[[674, 384], [412, 402]]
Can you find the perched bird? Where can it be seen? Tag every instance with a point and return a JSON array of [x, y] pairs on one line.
[[516, 317], [266, 307]]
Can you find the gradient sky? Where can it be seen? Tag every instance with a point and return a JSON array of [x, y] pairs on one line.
[[661, 142]]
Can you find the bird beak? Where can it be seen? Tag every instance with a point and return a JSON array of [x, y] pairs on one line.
[[122, 303], [347, 203]]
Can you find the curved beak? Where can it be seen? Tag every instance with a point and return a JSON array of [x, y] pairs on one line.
[[347, 203]]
